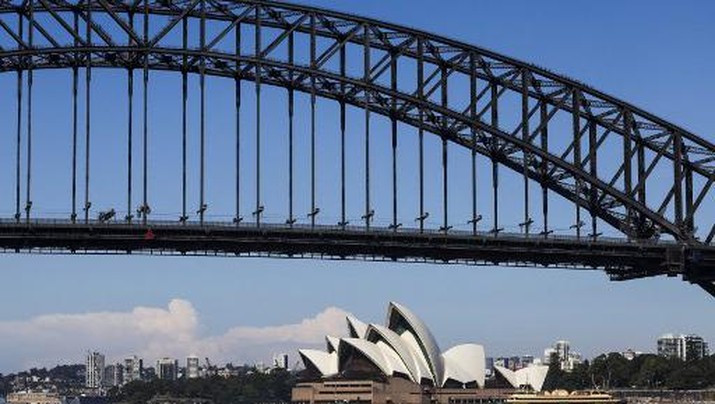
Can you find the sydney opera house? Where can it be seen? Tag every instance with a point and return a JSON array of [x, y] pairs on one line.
[[401, 362]]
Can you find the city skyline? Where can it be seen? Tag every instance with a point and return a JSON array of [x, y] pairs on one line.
[[150, 327], [685, 347], [48, 298]]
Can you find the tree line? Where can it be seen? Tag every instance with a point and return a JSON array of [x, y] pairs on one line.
[[252, 387], [649, 371]]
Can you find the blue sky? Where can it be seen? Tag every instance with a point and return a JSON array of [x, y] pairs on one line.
[[656, 55]]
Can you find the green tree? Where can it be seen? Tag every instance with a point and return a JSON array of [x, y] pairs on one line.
[[251, 387], [555, 376], [611, 370], [652, 371]]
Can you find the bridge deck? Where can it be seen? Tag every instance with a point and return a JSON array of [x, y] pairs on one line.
[[621, 259]]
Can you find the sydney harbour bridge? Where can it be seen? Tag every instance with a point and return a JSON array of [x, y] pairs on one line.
[[301, 132]]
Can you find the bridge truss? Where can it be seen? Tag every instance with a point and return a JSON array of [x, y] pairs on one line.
[[625, 172]]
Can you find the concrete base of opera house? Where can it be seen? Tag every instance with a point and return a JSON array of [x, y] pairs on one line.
[[393, 390]]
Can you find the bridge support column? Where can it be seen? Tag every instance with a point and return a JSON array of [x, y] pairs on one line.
[[19, 132], [184, 122], [28, 178], [576, 110], [367, 67], [495, 166], [421, 95], [88, 115], [75, 81], [237, 106]]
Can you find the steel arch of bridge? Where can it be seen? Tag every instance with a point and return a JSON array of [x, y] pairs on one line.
[[48, 34]]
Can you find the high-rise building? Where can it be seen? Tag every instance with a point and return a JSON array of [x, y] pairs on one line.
[[502, 361], [669, 346], [192, 367], [113, 375], [526, 360], [167, 369], [695, 347], [683, 347], [562, 348], [489, 366], [567, 358], [548, 353], [94, 370], [280, 361], [133, 369]]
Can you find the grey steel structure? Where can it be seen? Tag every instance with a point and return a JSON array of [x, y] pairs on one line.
[[668, 233]]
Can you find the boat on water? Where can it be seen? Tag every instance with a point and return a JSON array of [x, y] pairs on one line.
[[563, 397]]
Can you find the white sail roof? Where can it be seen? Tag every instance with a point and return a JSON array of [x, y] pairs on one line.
[[417, 356], [405, 347], [534, 376], [409, 354], [323, 362], [465, 364], [393, 359], [398, 315], [356, 328], [332, 343], [370, 351]]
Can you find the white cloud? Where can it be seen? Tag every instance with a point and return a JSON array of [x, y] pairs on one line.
[[152, 332]]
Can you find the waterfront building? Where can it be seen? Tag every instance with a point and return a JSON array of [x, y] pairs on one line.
[[391, 390], [399, 362], [94, 370], [167, 369], [192, 367], [563, 397], [162, 399], [684, 347], [34, 397]]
